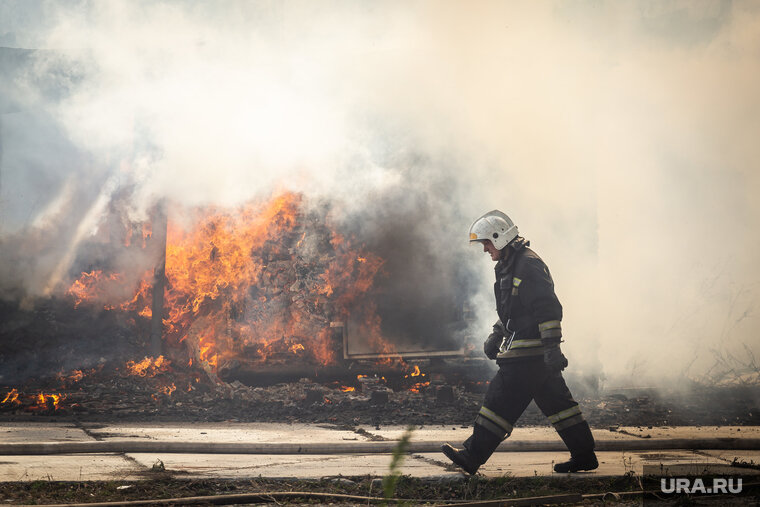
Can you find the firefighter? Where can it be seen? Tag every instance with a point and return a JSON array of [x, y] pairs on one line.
[[526, 345]]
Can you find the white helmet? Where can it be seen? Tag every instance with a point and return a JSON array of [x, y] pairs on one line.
[[494, 226]]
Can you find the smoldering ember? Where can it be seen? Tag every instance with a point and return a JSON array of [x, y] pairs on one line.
[[267, 313]]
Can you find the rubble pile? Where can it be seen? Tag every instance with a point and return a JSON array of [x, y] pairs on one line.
[[100, 395], [184, 394]]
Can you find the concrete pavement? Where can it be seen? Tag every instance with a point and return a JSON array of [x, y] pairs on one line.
[[137, 465]]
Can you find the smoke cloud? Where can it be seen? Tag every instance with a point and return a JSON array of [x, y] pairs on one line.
[[621, 138]]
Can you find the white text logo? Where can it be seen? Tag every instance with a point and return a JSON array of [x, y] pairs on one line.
[[698, 486]]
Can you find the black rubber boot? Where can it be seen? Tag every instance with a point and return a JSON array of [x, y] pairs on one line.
[[578, 463], [462, 459]]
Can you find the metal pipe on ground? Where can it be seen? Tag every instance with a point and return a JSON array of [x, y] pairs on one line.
[[232, 499], [271, 497], [124, 446], [266, 375]]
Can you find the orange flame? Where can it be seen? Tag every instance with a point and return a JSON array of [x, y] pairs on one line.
[[143, 296], [98, 287], [73, 377], [92, 286], [168, 390], [240, 264], [11, 397], [415, 373], [148, 367], [347, 389], [296, 348], [419, 385], [45, 401]]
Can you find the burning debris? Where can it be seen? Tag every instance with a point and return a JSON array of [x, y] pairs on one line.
[[11, 397], [138, 393], [181, 393], [148, 367], [266, 288], [39, 402], [72, 378], [259, 284]]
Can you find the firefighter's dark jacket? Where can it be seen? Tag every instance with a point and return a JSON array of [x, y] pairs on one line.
[[530, 314]]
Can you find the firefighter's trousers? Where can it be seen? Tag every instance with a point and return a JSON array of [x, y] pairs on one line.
[[510, 393]]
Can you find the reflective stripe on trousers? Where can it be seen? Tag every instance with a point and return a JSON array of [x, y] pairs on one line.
[[566, 418], [493, 423]]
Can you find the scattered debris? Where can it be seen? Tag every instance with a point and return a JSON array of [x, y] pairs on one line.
[[104, 394], [745, 464], [158, 466]]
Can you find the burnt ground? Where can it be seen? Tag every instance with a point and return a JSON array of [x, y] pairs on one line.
[[106, 395]]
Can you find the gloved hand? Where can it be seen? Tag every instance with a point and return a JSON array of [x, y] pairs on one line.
[[492, 344], [553, 357]]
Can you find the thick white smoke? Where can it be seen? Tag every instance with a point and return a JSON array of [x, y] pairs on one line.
[[620, 137]]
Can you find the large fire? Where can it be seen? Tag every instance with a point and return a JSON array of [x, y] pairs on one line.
[[258, 283]]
